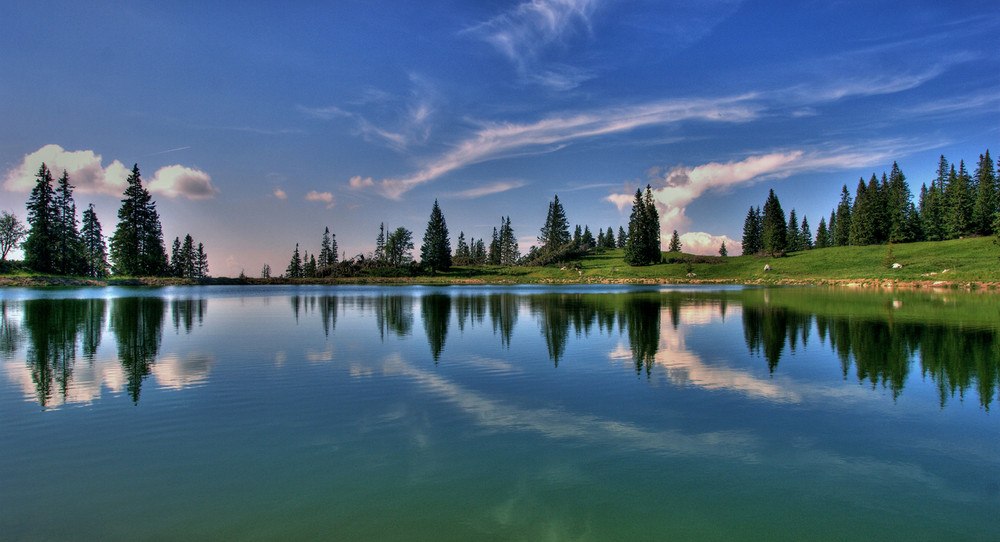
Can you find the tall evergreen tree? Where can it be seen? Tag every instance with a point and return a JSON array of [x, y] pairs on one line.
[[642, 246], [435, 253], [609, 238], [675, 243], [176, 265], [773, 228], [587, 240], [933, 204], [137, 244], [294, 269], [95, 251], [327, 254], [652, 224], [987, 201], [751, 232], [69, 250], [43, 218], [622, 238], [792, 233], [822, 235], [805, 236], [494, 256], [578, 237], [462, 253], [201, 262], [958, 195], [842, 234], [722, 250], [897, 205], [831, 230], [555, 232], [187, 264], [379, 255], [509, 252]]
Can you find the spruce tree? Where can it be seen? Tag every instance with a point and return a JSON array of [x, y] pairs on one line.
[[69, 254], [587, 241], [494, 255], [773, 228], [675, 243], [831, 229], [95, 251], [987, 201], [40, 246], [509, 252], [379, 255], [842, 234], [435, 253], [137, 244], [958, 195], [555, 232], [326, 253], [187, 263], [462, 254], [294, 269], [805, 236], [897, 205], [821, 234], [792, 233], [622, 237], [751, 232], [201, 262], [642, 245], [652, 225], [722, 250], [176, 267]]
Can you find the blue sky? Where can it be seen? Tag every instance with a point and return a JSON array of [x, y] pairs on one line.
[[257, 125]]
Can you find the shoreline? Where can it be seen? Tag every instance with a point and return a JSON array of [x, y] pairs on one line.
[[157, 282]]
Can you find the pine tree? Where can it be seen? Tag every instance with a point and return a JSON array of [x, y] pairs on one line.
[[555, 232], [327, 256], [897, 205], [842, 234], [494, 256], [822, 234], [987, 201], [40, 246], [137, 244], [600, 238], [933, 204], [675, 243], [69, 254], [773, 228], [792, 233], [722, 250], [294, 269], [587, 241], [187, 256], [831, 229], [435, 253], [958, 195], [805, 236], [201, 262], [462, 254], [176, 267], [578, 238], [380, 244], [509, 252], [95, 251], [752, 232], [309, 268], [652, 225], [622, 238]]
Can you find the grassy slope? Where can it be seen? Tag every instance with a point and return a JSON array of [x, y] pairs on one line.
[[967, 260]]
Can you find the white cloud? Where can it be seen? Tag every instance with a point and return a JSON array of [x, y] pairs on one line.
[[494, 188], [279, 193], [699, 242], [496, 140], [358, 183], [83, 167], [325, 197], [521, 33], [88, 176], [177, 180]]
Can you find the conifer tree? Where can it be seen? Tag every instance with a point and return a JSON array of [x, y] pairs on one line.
[[831, 229], [201, 262], [805, 236], [587, 240], [578, 238], [752, 232], [379, 255], [494, 256], [898, 205], [69, 254], [137, 244], [722, 250], [622, 237], [327, 254], [294, 269], [40, 246], [652, 224], [609, 238], [675, 243], [642, 246], [987, 202], [555, 231], [822, 234], [176, 267], [462, 254], [309, 267], [958, 195], [187, 263], [509, 252], [842, 234], [933, 205], [95, 251], [792, 233], [435, 253], [773, 228]]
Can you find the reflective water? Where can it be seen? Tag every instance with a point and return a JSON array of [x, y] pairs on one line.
[[527, 413]]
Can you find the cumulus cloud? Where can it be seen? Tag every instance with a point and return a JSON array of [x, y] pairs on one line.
[[325, 197], [177, 180], [83, 167], [89, 176], [279, 193], [699, 242], [358, 183]]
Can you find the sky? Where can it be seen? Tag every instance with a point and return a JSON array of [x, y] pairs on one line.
[[257, 125]]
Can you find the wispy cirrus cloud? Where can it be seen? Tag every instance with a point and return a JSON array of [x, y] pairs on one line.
[[88, 175], [521, 33], [488, 190], [497, 140]]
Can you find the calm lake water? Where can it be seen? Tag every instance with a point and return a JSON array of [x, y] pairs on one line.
[[489, 413]]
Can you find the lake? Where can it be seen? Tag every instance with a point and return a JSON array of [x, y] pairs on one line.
[[499, 413]]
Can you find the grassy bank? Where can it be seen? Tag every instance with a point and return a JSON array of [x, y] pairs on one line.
[[961, 262]]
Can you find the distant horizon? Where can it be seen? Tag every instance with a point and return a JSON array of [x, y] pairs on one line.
[[255, 128]]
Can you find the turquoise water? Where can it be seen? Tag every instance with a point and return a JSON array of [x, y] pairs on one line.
[[488, 413]]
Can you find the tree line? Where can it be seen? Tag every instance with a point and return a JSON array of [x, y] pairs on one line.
[[55, 244], [393, 254], [957, 204]]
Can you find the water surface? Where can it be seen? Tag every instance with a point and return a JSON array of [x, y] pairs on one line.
[[524, 413]]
